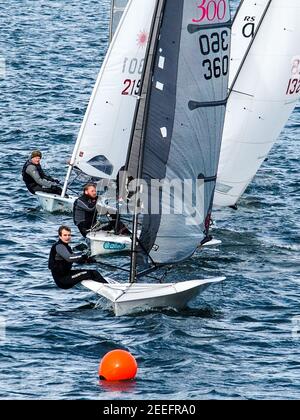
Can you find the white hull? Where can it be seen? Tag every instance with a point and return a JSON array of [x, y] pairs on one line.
[[105, 243], [128, 298], [213, 242], [55, 203]]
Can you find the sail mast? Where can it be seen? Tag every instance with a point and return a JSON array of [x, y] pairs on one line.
[[111, 20], [141, 109]]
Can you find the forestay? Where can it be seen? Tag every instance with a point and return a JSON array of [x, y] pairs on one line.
[[263, 96]]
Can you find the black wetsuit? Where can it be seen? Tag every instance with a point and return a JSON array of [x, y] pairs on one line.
[[84, 213], [61, 259], [36, 179]]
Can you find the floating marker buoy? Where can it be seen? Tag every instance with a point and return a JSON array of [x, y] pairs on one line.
[[117, 365]]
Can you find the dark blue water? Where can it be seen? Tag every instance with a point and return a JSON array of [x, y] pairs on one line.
[[239, 340]]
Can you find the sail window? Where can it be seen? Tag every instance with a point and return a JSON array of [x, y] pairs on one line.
[[160, 86], [161, 62], [164, 132], [101, 163]]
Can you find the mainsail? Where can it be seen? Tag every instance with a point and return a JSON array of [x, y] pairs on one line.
[[179, 124], [265, 90], [102, 143]]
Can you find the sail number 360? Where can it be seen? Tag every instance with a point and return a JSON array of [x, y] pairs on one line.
[[213, 44]]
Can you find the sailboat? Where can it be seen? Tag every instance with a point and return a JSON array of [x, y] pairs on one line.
[[265, 88], [175, 139], [102, 142]]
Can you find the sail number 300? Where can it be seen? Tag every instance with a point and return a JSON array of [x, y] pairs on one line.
[[211, 10], [213, 44]]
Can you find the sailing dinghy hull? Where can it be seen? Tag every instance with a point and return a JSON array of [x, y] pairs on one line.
[[55, 203], [129, 298], [105, 243]]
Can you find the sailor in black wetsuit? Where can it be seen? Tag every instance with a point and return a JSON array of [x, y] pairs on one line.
[[61, 259], [36, 179], [84, 210]]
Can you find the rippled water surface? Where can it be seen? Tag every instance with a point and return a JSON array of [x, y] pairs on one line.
[[239, 340]]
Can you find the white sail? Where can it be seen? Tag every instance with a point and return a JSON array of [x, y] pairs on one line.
[[245, 24], [102, 143], [117, 10], [264, 95]]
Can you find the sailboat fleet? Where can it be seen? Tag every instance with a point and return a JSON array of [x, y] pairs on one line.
[[187, 105]]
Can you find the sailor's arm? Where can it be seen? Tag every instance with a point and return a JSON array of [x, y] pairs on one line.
[[49, 177], [33, 172], [68, 256]]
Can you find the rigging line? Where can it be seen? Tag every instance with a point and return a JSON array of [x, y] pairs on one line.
[[249, 48], [165, 274], [143, 248], [243, 93], [127, 270]]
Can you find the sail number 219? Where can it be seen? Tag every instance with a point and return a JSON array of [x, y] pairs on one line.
[[132, 68]]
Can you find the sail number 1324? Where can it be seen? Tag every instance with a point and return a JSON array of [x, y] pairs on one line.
[[294, 82]]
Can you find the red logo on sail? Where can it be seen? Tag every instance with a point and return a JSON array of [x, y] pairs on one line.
[[142, 39]]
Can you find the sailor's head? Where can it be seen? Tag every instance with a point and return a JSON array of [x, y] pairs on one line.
[[64, 233], [36, 157], [90, 190]]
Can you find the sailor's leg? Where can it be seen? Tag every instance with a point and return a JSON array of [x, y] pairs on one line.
[[77, 276], [52, 190], [80, 275]]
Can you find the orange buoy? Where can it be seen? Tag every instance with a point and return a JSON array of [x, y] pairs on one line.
[[118, 365]]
